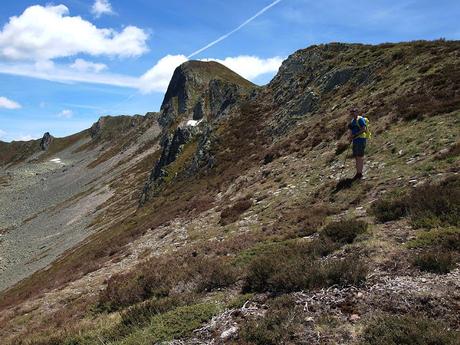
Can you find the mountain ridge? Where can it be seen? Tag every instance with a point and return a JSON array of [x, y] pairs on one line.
[[256, 174]]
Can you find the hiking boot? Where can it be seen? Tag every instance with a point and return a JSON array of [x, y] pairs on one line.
[[358, 176]]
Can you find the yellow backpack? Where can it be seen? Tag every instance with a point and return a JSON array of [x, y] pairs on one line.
[[367, 134]]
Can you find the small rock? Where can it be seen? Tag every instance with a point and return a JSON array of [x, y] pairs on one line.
[[229, 333], [354, 317], [359, 295]]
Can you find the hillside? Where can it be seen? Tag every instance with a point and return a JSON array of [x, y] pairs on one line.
[[228, 218]]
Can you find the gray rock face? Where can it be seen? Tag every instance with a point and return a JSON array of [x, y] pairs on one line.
[[46, 141], [308, 76], [201, 89]]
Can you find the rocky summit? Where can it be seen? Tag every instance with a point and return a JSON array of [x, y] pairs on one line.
[[229, 216]]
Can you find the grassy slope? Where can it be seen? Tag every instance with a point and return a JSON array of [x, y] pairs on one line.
[[302, 174]]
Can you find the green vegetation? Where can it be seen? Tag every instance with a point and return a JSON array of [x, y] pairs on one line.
[[440, 250], [435, 262], [407, 330], [173, 324], [294, 266], [232, 213], [446, 239], [276, 327], [428, 206], [158, 277], [344, 231]]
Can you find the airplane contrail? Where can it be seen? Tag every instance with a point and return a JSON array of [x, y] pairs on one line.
[[235, 30]]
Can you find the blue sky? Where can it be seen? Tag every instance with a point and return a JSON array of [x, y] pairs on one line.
[[66, 63]]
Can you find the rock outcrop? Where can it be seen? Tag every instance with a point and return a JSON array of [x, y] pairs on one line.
[[199, 94], [46, 140], [201, 90]]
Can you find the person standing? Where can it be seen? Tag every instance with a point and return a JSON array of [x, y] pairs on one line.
[[358, 137]]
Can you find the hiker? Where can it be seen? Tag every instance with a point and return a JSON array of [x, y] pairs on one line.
[[358, 135]]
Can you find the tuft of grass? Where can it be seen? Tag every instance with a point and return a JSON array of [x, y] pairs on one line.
[[140, 314], [435, 262], [445, 239], [407, 330], [232, 213], [295, 267], [389, 209], [159, 277], [173, 324], [302, 221], [277, 326], [428, 206], [344, 231]]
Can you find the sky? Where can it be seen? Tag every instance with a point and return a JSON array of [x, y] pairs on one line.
[[64, 64]]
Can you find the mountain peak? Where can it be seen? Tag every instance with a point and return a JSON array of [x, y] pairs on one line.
[[195, 85]]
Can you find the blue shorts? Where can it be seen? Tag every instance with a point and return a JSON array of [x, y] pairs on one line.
[[359, 146]]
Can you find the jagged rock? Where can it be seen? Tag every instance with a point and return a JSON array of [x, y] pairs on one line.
[[109, 127], [46, 141], [199, 88]]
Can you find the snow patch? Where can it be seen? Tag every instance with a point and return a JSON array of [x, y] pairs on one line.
[[194, 123]]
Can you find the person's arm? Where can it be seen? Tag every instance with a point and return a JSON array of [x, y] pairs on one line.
[[361, 131]]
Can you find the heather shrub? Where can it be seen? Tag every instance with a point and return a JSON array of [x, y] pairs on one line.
[[428, 206], [389, 209], [296, 267], [407, 330], [435, 262], [277, 326], [159, 277], [344, 231], [232, 213]]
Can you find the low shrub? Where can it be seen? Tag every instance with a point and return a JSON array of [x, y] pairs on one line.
[[344, 231], [435, 262], [158, 277], [436, 205], [214, 273], [232, 213], [296, 267], [428, 206], [140, 314], [277, 326], [407, 330], [176, 323], [447, 239], [386, 210]]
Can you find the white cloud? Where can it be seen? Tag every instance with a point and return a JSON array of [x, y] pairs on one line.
[[158, 77], [43, 33], [8, 103], [82, 65], [64, 74], [101, 7], [66, 114], [250, 67], [2, 134]]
